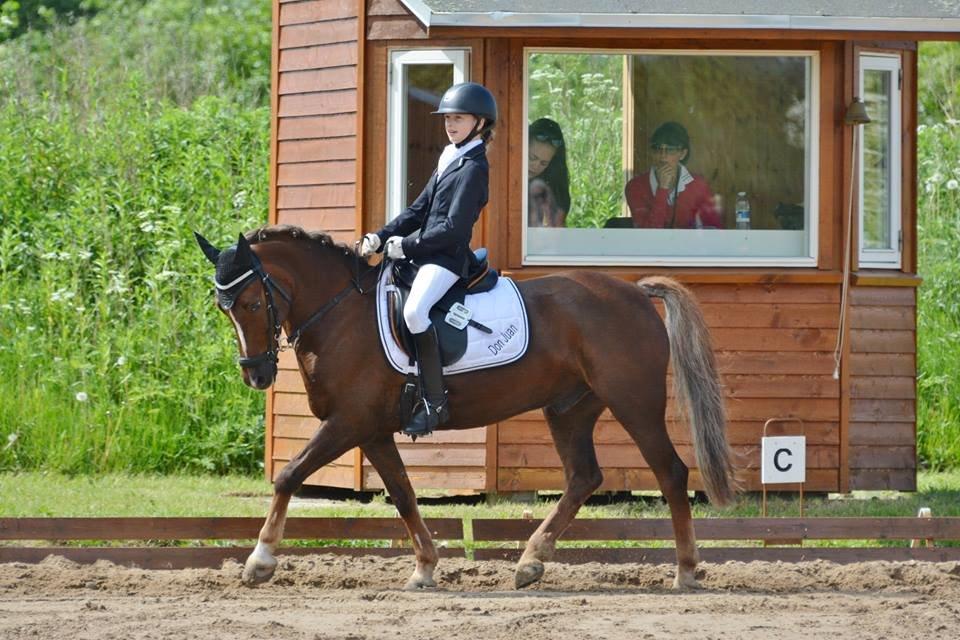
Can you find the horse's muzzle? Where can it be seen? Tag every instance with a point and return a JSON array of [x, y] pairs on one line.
[[259, 371]]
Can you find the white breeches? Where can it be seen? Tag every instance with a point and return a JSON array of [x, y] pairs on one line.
[[431, 283]]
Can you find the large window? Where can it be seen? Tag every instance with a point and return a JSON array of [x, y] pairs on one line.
[[644, 157], [417, 81], [880, 234]]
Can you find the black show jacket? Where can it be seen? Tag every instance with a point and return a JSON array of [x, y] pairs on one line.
[[437, 227]]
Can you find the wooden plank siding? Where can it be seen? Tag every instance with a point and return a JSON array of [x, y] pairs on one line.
[[882, 436], [775, 352], [314, 175], [774, 330]]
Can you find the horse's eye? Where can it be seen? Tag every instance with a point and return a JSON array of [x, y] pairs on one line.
[[254, 306]]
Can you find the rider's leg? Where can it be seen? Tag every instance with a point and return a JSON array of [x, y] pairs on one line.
[[431, 283]]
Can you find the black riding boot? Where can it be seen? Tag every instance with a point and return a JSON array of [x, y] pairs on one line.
[[432, 410]]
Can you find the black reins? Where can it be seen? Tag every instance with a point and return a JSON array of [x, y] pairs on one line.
[[273, 332]]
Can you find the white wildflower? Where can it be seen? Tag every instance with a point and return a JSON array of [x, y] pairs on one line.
[[62, 295], [11, 440], [952, 185], [117, 283], [239, 199], [82, 396], [148, 227], [122, 360]]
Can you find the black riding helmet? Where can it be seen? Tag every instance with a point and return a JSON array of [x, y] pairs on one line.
[[472, 98]]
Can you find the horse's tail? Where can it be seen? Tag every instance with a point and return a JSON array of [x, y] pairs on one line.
[[696, 384]]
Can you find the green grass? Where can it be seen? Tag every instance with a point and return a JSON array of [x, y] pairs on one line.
[[120, 135]]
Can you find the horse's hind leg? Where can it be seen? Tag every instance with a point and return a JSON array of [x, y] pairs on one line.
[[650, 434], [572, 433], [386, 459], [327, 444]]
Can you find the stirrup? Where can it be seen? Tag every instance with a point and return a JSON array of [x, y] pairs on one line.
[[426, 419]]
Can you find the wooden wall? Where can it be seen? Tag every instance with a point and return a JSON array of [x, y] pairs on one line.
[[316, 98], [883, 369], [774, 330], [775, 352]]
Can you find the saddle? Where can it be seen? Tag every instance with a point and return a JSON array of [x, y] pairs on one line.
[[452, 339]]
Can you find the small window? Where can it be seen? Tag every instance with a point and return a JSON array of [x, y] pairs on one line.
[[880, 230], [417, 81], [671, 157]]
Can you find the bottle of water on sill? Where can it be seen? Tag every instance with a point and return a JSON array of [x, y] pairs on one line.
[[742, 211]]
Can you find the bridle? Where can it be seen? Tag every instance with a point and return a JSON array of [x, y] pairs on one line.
[[274, 327]]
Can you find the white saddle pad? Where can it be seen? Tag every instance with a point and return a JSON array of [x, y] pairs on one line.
[[501, 309]]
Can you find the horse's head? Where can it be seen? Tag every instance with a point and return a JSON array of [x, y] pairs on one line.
[[254, 303]]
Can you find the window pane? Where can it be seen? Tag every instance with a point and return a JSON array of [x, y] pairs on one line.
[[653, 150], [423, 87], [877, 85]]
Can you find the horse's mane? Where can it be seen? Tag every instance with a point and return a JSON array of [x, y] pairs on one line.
[[292, 232]]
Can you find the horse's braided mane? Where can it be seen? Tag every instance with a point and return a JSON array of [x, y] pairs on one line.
[[292, 232]]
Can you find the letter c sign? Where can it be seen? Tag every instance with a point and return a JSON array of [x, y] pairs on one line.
[[783, 459]]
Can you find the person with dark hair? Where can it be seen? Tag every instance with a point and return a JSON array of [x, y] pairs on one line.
[[435, 231], [668, 196], [548, 186]]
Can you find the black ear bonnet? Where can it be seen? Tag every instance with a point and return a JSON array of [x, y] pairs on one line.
[[232, 276]]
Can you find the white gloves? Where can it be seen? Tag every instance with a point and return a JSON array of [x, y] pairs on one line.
[[394, 248], [369, 245]]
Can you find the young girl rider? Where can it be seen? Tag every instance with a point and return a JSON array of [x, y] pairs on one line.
[[434, 232]]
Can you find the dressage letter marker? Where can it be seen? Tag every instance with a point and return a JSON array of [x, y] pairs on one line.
[[784, 459]]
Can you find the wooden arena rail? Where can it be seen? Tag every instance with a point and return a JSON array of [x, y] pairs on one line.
[[772, 530], [167, 557], [486, 533]]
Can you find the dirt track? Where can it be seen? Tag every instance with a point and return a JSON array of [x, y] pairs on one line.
[[327, 597]]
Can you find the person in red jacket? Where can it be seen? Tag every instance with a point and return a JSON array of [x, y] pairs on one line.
[[668, 196]]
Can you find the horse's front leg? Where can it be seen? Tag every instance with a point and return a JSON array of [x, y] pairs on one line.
[[327, 444], [386, 459]]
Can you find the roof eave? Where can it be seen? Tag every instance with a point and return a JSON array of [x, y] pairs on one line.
[[506, 19]]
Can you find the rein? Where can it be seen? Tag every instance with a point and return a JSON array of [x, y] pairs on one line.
[[273, 339]]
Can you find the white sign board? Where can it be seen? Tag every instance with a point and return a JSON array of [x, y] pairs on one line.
[[784, 459]]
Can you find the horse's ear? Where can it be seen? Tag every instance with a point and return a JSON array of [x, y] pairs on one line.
[[208, 249], [244, 255]]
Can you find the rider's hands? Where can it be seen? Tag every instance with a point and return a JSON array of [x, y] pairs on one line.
[[369, 245], [394, 248]]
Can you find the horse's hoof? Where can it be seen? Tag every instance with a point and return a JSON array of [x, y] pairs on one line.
[[255, 572], [528, 573], [686, 582], [417, 582]]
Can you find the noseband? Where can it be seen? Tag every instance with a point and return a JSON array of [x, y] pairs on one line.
[[272, 354]]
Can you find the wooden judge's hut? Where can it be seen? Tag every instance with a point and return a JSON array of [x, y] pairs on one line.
[[811, 301]]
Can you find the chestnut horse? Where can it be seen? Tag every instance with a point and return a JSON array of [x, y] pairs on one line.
[[596, 342]]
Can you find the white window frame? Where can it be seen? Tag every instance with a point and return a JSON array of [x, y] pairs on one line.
[[891, 258], [812, 170], [400, 59]]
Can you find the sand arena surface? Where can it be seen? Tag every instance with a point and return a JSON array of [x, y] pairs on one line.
[[330, 597]]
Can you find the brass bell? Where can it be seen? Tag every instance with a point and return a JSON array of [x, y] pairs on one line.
[[856, 113]]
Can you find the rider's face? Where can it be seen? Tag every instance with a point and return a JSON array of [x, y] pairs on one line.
[[458, 126]]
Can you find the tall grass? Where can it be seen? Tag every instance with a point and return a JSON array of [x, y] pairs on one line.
[[112, 356], [583, 95], [938, 321]]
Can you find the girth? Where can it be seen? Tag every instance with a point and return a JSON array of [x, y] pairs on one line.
[[453, 341]]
